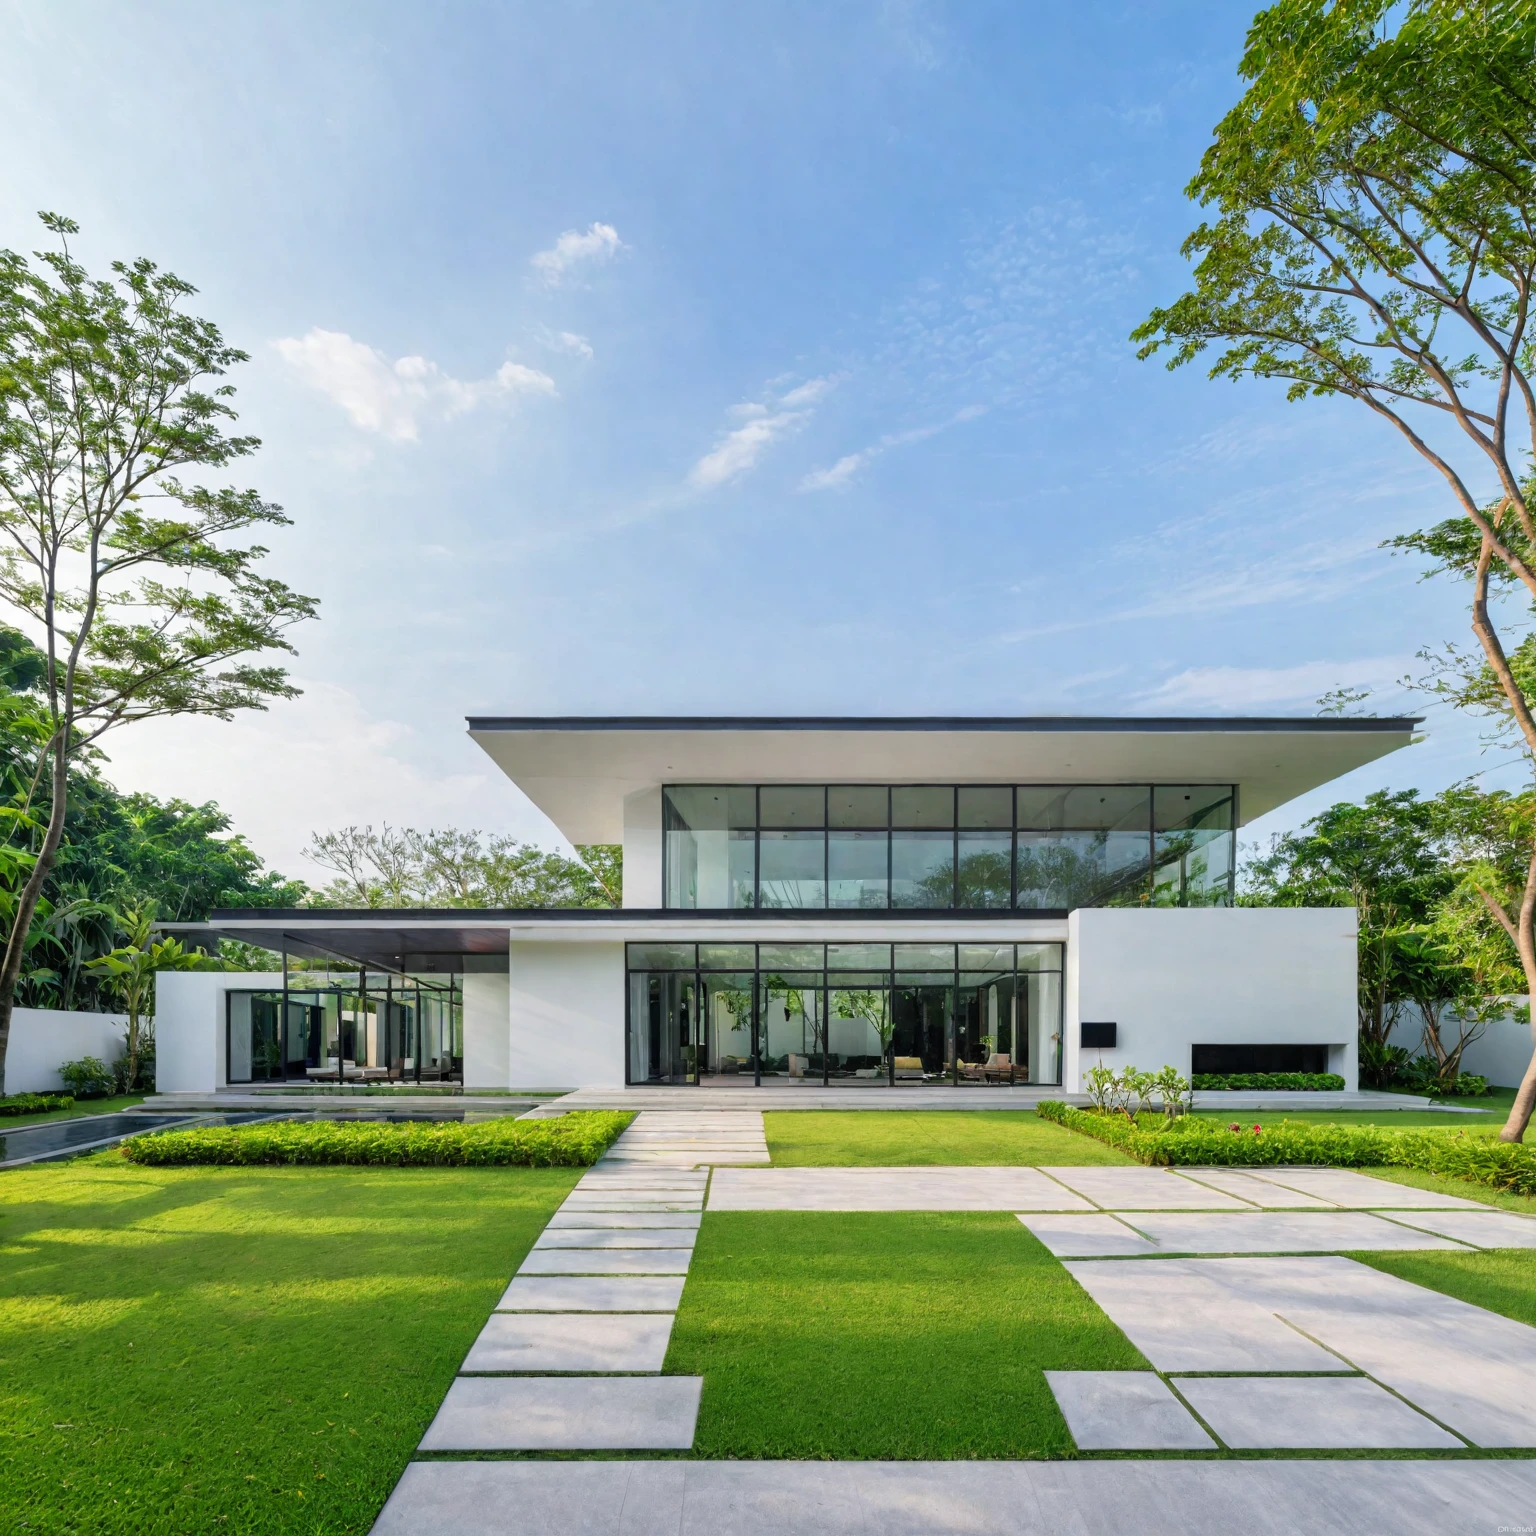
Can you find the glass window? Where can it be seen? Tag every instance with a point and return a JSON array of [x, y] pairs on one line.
[[922, 869], [858, 805], [985, 876], [790, 1024], [919, 805], [989, 807], [710, 845], [797, 805], [858, 957], [790, 957], [661, 957], [925, 957], [986, 957], [727, 1023], [857, 868], [794, 869], [1193, 845], [727, 957], [1083, 846], [1039, 957]]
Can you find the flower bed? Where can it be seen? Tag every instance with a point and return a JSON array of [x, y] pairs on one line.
[[34, 1103], [574, 1140], [1207, 1143], [1269, 1082]]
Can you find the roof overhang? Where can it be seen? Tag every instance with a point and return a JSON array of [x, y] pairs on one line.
[[578, 770]]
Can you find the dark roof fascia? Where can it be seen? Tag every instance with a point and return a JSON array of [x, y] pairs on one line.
[[467, 917], [1045, 724]]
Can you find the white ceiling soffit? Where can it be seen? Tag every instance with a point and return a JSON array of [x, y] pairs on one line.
[[578, 771]]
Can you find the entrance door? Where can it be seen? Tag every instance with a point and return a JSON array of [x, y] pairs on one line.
[[663, 1027], [925, 1023]]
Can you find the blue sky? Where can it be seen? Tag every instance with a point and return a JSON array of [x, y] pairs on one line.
[[720, 359]]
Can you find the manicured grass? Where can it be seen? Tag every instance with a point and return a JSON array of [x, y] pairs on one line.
[[1465, 1189], [913, 1336], [251, 1350], [1502, 1280], [890, 1138], [82, 1107]]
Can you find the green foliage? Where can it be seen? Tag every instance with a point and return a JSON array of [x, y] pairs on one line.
[[89, 1077], [1266, 1082], [34, 1103], [403, 867], [574, 1140], [895, 1138], [1191, 1142]]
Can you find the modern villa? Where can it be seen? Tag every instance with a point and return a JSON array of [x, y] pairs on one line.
[[865, 901]]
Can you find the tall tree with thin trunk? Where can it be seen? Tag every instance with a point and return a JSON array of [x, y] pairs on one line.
[[1373, 238], [122, 574]]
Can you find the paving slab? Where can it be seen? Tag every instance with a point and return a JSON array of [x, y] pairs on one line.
[[592, 1293], [1482, 1229], [889, 1189], [1358, 1191], [616, 1237], [1183, 1315], [565, 1413], [1469, 1368], [1125, 1411], [1168, 1497], [575, 1341], [1311, 1413], [606, 1261], [1090, 1236], [1143, 1189], [1280, 1232], [649, 1220], [621, 1203], [1263, 1193]]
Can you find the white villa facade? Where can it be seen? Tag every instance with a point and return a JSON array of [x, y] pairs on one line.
[[862, 901]]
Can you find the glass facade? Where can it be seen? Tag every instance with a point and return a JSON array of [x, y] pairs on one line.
[[850, 1013], [375, 1027], [1039, 847]]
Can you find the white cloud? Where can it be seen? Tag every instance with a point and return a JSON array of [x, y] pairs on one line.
[[1235, 688], [851, 463], [569, 341], [574, 250], [762, 424], [393, 398]]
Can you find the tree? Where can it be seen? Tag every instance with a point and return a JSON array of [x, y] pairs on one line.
[[1374, 239], [403, 867], [130, 971]]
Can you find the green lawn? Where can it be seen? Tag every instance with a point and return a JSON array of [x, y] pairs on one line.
[[888, 1138], [251, 1350], [1503, 1280], [908, 1336], [1465, 1188], [82, 1107]]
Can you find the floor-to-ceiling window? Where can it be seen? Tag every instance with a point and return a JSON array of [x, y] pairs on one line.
[[1033, 847], [849, 1013]]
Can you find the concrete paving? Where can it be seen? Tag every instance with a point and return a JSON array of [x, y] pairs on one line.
[[1096, 1236], [1358, 1191], [1315, 1413], [581, 1341], [1144, 1189], [556, 1413], [592, 1293], [648, 1220], [616, 1237], [1482, 1229], [1262, 1193], [968, 1498], [890, 1189], [1278, 1232], [1125, 1411], [606, 1261]]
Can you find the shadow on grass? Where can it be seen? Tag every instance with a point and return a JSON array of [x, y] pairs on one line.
[[253, 1350], [889, 1138]]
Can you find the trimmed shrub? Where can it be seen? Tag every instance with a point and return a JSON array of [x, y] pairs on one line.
[[1208, 1143], [1269, 1082], [34, 1103], [89, 1078], [574, 1140]]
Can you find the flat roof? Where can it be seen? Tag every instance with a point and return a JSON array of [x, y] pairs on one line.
[[578, 769]]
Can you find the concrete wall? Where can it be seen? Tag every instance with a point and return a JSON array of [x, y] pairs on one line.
[[190, 1043], [1501, 1055], [567, 1015], [487, 1035], [642, 848], [42, 1039], [1244, 975]]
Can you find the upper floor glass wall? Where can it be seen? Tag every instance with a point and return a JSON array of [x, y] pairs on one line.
[[946, 848]]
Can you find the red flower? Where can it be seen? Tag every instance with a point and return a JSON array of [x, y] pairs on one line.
[[1234, 1126], [1258, 1130]]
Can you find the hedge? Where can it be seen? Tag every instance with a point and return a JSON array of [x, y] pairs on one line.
[[1204, 1143], [34, 1103], [574, 1140], [1268, 1082]]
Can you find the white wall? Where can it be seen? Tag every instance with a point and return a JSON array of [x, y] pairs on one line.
[[642, 848], [567, 1016], [487, 1037], [1221, 976], [190, 1042], [1501, 1055], [42, 1039]]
